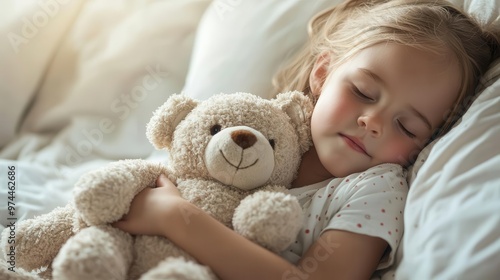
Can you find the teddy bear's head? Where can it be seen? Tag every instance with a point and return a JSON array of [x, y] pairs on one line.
[[239, 139]]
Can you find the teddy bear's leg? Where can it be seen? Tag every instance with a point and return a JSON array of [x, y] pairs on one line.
[[97, 252], [179, 269], [150, 251], [269, 218], [37, 241]]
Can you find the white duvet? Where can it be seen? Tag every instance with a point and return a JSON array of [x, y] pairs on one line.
[[80, 79]]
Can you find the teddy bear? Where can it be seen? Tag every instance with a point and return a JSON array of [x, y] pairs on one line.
[[232, 155]]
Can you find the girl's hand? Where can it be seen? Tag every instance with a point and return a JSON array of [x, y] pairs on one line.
[[149, 211]]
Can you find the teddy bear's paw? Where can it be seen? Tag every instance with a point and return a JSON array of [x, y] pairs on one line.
[[100, 252], [271, 219], [179, 269], [104, 195]]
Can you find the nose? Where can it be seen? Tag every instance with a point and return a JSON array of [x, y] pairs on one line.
[[371, 123], [243, 138]]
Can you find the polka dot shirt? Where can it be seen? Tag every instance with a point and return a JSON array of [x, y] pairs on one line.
[[370, 202]]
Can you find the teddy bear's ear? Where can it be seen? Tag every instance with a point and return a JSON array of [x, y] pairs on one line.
[[161, 127], [299, 108]]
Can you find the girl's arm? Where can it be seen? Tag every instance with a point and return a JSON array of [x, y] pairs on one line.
[[337, 254]]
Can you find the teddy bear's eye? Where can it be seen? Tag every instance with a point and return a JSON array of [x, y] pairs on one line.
[[215, 129], [271, 141]]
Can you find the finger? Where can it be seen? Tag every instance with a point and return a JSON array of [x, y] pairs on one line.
[[163, 181]]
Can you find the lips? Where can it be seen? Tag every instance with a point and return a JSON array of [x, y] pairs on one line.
[[355, 144]]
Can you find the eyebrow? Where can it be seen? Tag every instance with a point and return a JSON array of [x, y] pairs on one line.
[[382, 82], [372, 75]]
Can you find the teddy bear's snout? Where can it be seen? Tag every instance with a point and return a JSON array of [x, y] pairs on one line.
[[243, 138]]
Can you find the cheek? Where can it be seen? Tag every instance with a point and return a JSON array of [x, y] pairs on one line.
[[333, 108], [400, 151]]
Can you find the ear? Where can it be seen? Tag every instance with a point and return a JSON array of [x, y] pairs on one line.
[[161, 127], [299, 108], [319, 74]]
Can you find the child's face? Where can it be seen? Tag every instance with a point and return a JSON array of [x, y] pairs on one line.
[[381, 106]]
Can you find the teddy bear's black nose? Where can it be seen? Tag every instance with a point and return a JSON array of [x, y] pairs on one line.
[[243, 138]]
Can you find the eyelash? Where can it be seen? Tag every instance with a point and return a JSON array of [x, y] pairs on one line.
[[406, 131], [359, 94]]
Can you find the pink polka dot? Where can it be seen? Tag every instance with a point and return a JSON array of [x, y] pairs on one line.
[[381, 176], [348, 205], [383, 210], [347, 180], [390, 233], [359, 225], [329, 195], [339, 215], [397, 230], [396, 218], [382, 224], [307, 231]]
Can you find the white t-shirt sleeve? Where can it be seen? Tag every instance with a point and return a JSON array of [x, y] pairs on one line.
[[374, 207], [369, 203]]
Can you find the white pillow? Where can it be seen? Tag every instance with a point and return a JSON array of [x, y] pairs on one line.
[[452, 221], [452, 229], [454, 200], [241, 44], [30, 32]]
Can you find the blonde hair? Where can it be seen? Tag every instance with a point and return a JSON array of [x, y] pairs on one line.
[[429, 25]]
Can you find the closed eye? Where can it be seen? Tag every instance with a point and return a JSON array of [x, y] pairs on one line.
[[405, 131], [361, 95]]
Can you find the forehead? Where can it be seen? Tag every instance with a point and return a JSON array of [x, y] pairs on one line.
[[428, 81]]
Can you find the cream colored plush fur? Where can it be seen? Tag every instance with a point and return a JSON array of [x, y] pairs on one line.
[[232, 155]]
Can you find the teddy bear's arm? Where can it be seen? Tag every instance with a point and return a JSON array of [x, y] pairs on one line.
[[271, 218], [104, 195], [38, 240]]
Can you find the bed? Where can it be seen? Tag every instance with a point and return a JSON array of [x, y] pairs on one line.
[[81, 78]]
